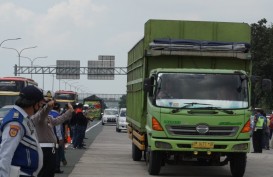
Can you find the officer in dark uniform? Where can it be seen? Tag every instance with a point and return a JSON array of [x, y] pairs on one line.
[[257, 137], [20, 152]]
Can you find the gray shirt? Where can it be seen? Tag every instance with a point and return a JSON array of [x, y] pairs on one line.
[[44, 126]]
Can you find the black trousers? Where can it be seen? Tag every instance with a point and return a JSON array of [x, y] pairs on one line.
[[257, 139], [49, 162]]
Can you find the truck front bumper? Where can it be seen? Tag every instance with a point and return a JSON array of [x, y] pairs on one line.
[[199, 145]]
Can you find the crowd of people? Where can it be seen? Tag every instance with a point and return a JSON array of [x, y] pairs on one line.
[[33, 135], [262, 131]]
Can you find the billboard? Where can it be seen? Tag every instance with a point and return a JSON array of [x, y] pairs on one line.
[[102, 69], [68, 69]]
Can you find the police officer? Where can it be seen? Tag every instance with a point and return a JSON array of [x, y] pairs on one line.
[[20, 152], [257, 137], [45, 123]]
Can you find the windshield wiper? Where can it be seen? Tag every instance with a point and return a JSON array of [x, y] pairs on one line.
[[187, 105], [218, 109]]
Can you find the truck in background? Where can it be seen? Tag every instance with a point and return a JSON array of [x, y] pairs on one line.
[[96, 106], [10, 88], [63, 97], [204, 119]]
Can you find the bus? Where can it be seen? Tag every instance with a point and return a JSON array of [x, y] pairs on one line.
[[10, 88], [63, 97]]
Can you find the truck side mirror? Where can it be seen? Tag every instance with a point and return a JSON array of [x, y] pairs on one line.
[[148, 86], [266, 85]]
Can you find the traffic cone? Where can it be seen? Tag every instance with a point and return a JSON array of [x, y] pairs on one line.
[[68, 139]]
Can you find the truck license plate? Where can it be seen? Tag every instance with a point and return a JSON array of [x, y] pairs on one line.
[[202, 145]]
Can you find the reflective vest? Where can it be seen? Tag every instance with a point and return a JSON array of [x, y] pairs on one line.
[[261, 122]]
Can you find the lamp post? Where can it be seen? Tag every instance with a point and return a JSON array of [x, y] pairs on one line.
[[52, 82], [32, 60], [19, 53], [72, 83], [65, 82], [81, 87], [8, 40]]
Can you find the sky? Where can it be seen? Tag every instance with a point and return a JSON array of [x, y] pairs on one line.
[[84, 29]]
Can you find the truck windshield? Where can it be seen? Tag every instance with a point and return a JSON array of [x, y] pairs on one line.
[[224, 91]]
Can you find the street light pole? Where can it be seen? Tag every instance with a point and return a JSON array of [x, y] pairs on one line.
[[8, 40], [32, 61], [52, 82], [19, 52], [72, 85]]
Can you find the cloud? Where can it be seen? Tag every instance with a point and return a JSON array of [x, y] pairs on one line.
[[64, 18], [10, 12]]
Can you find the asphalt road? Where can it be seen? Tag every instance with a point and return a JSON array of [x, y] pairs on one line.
[[73, 155], [108, 154]]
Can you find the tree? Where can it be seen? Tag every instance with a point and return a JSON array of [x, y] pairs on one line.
[[262, 57], [122, 102]]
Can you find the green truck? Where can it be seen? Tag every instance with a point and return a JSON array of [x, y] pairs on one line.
[[188, 94]]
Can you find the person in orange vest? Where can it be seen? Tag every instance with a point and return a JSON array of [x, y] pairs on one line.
[[81, 122]]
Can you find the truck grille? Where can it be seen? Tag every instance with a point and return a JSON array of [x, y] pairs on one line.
[[191, 130]]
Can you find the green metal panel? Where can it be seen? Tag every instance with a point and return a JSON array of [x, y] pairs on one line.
[[135, 95]]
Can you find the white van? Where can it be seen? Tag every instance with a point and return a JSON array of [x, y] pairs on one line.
[[109, 116], [121, 120]]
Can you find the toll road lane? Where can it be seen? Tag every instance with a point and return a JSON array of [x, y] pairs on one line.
[[108, 153]]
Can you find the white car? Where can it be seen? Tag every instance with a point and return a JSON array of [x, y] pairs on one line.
[[121, 121], [109, 116]]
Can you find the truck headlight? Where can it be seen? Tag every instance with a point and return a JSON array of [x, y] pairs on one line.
[[243, 146], [163, 145]]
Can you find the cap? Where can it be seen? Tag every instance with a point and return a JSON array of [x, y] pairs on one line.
[[32, 93], [48, 95]]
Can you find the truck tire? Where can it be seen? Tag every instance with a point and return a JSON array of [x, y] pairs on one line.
[[237, 164], [136, 153], [154, 162], [117, 129]]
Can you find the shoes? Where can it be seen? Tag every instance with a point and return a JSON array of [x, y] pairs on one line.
[[64, 162], [59, 171]]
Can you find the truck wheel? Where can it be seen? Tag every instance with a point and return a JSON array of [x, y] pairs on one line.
[[237, 164], [102, 123], [136, 153], [154, 162], [117, 129]]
